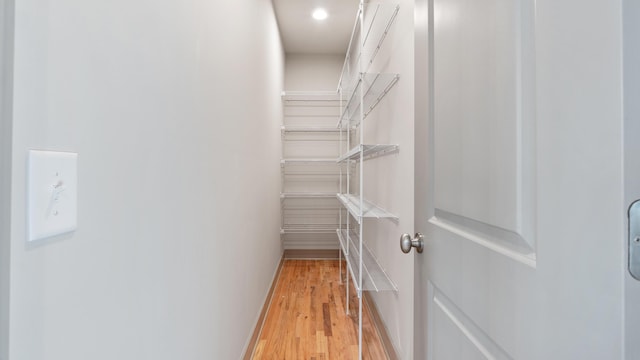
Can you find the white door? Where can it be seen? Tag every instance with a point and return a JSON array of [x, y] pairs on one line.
[[519, 179]]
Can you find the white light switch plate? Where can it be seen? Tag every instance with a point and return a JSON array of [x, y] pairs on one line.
[[52, 193]]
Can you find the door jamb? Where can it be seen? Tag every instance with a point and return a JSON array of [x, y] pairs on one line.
[[423, 71], [6, 121]]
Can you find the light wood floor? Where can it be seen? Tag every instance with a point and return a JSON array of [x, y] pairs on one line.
[[307, 318]]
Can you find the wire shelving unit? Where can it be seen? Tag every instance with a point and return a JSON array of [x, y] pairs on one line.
[[361, 91], [309, 172]]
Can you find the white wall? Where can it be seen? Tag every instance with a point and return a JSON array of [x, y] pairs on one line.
[[312, 72], [6, 33], [174, 109]]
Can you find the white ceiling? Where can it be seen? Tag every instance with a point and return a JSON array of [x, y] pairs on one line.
[[302, 34]]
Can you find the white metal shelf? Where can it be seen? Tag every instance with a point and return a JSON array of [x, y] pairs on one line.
[[310, 175], [375, 31], [307, 195], [307, 161], [381, 13], [310, 96], [308, 129], [309, 172], [312, 212], [375, 87], [328, 229], [374, 278], [369, 210], [367, 151]]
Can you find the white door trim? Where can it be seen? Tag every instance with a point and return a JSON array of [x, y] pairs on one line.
[[422, 167], [6, 90]]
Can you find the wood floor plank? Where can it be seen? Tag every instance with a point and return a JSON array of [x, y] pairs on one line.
[[307, 318], [326, 318]]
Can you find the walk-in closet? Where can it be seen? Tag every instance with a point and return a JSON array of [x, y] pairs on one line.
[[342, 145]]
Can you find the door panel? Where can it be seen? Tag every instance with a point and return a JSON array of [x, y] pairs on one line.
[[458, 337], [483, 156], [478, 287]]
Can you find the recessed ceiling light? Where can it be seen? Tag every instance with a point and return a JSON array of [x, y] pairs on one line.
[[320, 14]]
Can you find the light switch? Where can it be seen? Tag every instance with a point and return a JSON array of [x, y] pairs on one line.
[[52, 193]]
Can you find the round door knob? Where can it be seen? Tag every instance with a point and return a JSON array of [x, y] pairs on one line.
[[406, 243]]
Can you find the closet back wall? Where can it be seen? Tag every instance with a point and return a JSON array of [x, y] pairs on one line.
[[174, 109], [313, 72]]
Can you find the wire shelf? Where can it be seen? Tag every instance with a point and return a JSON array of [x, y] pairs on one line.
[[375, 86], [308, 129], [374, 278], [307, 161], [369, 210], [310, 96], [367, 151], [307, 195], [307, 230]]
